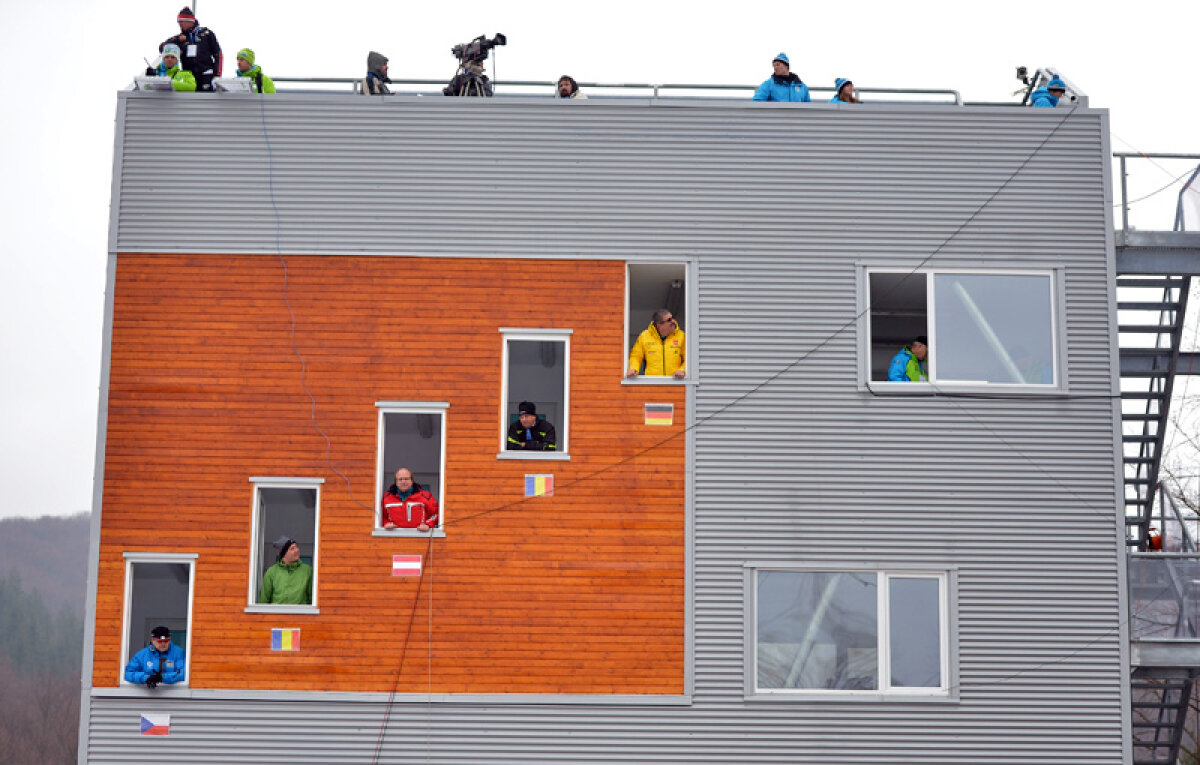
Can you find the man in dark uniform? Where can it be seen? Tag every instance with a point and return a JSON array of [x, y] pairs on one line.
[[201, 52], [530, 432]]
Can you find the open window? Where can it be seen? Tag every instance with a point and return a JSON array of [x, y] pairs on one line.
[[412, 435], [847, 632], [651, 287], [158, 592], [536, 369], [982, 328], [284, 509]]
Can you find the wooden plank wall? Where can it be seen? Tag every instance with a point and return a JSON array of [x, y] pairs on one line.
[[582, 592]]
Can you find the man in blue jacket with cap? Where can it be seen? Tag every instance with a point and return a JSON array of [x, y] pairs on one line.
[[783, 85], [159, 662], [1048, 96]]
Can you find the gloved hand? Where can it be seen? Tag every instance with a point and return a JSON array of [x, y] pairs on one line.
[[151, 71], [154, 679]]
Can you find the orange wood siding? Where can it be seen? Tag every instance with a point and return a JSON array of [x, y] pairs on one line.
[[582, 592]]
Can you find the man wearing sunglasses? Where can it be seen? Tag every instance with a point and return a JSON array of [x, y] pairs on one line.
[[660, 349]]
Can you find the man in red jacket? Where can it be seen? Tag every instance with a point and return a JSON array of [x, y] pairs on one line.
[[408, 506]]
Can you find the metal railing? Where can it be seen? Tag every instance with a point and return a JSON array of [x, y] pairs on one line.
[[1190, 169], [415, 87], [1164, 596]]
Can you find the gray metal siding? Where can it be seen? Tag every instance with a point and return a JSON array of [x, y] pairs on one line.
[[780, 206]]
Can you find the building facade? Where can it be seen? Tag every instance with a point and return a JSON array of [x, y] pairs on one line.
[[782, 556]]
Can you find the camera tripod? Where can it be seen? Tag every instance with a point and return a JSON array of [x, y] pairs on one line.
[[471, 81]]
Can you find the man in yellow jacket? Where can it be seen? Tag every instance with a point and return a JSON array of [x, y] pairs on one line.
[[660, 347]]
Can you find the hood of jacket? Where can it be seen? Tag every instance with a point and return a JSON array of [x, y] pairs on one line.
[[375, 62], [784, 79]]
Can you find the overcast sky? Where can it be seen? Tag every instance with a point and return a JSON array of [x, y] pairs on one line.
[[65, 61]]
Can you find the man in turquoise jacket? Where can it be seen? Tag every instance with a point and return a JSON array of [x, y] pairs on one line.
[[289, 581], [782, 85], [911, 363], [1047, 97]]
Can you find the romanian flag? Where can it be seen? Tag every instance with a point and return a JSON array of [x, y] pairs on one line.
[[285, 640], [539, 485], [660, 414], [156, 725], [406, 565]]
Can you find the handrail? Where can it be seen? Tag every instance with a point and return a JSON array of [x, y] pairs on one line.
[[657, 90], [1121, 157], [1188, 544]]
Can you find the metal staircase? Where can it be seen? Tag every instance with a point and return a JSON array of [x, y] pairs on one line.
[[1160, 705], [1151, 311]]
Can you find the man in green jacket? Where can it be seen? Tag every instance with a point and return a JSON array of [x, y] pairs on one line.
[[289, 581], [182, 81], [246, 68]]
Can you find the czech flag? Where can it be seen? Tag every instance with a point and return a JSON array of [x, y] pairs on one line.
[[285, 640], [406, 565], [156, 725], [660, 414], [539, 485]]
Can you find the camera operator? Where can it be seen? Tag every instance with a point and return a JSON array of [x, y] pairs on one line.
[[470, 81]]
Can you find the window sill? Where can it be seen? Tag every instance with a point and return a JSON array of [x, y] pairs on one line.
[[982, 390], [656, 380], [911, 696], [517, 454], [262, 608], [437, 531]]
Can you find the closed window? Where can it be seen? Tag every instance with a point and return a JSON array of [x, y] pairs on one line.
[[963, 328], [849, 631]]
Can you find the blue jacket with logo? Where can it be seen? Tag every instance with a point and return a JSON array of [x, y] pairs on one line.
[[906, 368], [787, 88], [149, 660], [1042, 97]]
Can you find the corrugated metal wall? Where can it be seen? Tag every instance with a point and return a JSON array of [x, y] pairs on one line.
[[794, 462]]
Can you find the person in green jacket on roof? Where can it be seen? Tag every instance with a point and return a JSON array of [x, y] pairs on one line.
[[247, 68], [289, 581], [182, 80]]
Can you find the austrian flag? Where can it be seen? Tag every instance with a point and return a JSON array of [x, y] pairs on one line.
[[406, 565]]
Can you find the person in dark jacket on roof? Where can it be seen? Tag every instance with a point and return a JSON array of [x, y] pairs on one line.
[[1047, 96], [782, 85], [201, 53], [844, 92], [406, 505], [375, 83], [247, 68], [530, 432]]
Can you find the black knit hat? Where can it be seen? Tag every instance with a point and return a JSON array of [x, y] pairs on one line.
[[527, 407], [281, 546], [160, 632], [921, 339]]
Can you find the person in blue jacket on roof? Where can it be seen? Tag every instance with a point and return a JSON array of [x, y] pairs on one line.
[[783, 85], [910, 364], [844, 92], [159, 662], [1048, 95]]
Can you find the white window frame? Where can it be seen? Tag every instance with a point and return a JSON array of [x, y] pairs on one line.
[[437, 409], [885, 691], [866, 334], [563, 429], [131, 559], [254, 580], [690, 342]]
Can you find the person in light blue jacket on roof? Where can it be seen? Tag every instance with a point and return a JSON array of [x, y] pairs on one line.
[[844, 92], [1048, 96], [783, 85]]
